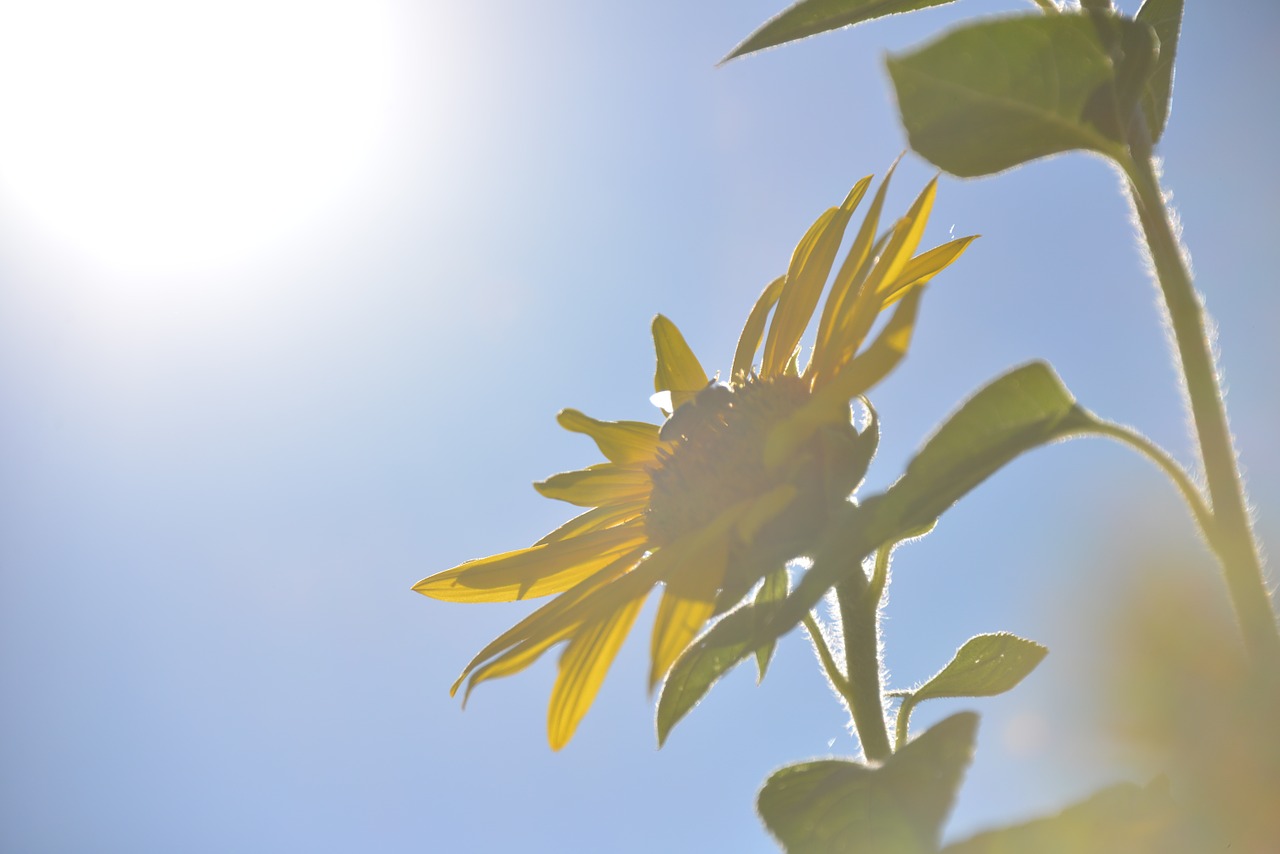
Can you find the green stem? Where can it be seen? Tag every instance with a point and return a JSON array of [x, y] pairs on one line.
[[824, 655], [859, 615], [1233, 541], [900, 728], [1175, 472]]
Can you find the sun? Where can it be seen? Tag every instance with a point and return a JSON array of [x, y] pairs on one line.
[[148, 136]]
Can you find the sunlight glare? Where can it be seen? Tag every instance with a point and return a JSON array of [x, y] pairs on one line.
[[151, 137]]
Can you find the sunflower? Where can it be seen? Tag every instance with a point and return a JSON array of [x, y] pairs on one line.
[[738, 480]]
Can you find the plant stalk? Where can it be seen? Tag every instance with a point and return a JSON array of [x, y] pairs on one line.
[[860, 618], [1232, 537]]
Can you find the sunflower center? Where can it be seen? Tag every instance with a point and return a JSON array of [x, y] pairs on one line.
[[716, 459]]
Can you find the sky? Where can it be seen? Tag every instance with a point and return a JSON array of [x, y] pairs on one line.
[[290, 294]]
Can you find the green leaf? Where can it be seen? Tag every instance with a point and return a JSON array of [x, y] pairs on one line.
[[988, 96], [1124, 818], [718, 651], [897, 808], [985, 666], [810, 17], [1024, 409], [773, 590], [1165, 17]]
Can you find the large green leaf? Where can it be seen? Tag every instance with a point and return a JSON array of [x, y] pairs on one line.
[[1021, 410], [1025, 408], [991, 95], [985, 666], [834, 805], [810, 17], [1165, 17], [1122, 818]]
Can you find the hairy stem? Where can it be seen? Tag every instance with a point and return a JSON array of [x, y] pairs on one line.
[[1233, 540], [859, 615], [1190, 494], [829, 666]]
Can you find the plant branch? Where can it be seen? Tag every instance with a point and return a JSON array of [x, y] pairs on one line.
[[829, 666], [859, 616], [1233, 537], [1190, 494]]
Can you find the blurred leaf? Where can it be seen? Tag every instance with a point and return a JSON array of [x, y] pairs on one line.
[[835, 805], [774, 589], [1165, 17], [985, 666], [810, 17], [1122, 819], [991, 95], [1021, 410]]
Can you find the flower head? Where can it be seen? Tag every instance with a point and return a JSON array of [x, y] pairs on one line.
[[737, 481]]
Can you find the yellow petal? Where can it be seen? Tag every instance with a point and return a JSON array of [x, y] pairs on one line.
[[595, 520], [620, 441], [606, 483], [893, 260], [806, 277], [696, 571], [515, 659], [679, 371], [924, 267], [582, 669], [749, 342], [830, 401], [846, 286], [536, 571], [520, 645]]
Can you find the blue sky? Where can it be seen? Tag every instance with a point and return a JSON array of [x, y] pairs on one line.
[[291, 293]]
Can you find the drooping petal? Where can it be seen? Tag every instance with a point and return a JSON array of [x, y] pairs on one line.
[[595, 520], [536, 571], [753, 331], [844, 290], [582, 670], [695, 574], [619, 441], [606, 483], [806, 278], [924, 267], [679, 370], [520, 645]]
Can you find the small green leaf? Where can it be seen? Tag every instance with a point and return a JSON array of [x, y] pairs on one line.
[[985, 666], [1119, 818], [810, 17], [988, 96], [1165, 17], [896, 808]]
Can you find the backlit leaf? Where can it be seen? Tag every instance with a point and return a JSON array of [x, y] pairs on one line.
[[1165, 17], [985, 666], [897, 808], [810, 17], [991, 95]]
